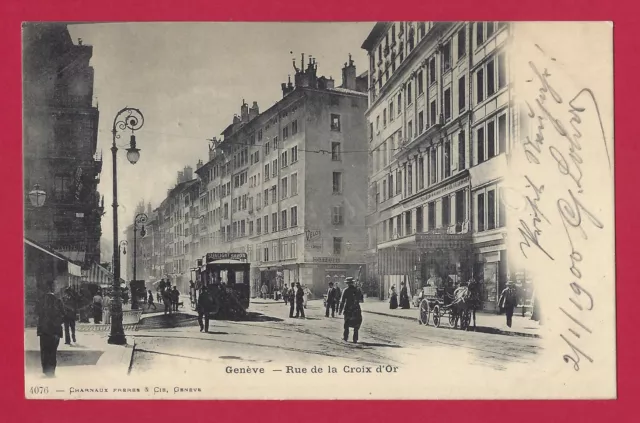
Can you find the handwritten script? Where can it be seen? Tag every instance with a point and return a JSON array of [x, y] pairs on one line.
[[558, 123]]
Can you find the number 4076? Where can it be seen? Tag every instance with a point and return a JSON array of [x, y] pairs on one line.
[[39, 390]]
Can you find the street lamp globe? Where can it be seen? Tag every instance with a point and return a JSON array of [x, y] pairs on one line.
[[37, 196], [133, 155]]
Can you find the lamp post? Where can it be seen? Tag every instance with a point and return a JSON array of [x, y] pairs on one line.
[[141, 218], [126, 119]]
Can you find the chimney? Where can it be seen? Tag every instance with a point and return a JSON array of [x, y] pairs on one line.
[[244, 111], [349, 75], [200, 164], [188, 173], [288, 87], [180, 177], [254, 111], [236, 119]]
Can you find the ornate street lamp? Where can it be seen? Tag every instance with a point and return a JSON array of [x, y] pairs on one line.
[[140, 219], [127, 119], [123, 246], [37, 196]]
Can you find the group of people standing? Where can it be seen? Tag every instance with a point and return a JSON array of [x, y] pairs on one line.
[[404, 297], [347, 303], [297, 299]]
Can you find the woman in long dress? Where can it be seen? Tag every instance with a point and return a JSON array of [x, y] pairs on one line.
[[404, 296], [393, 298], [97, 308]]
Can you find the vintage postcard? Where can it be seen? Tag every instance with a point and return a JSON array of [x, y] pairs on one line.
[[366, 210]]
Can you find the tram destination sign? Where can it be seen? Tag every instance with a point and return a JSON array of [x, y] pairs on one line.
[[226, 256]]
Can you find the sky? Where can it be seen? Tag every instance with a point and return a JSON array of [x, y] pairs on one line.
[[189, 79]]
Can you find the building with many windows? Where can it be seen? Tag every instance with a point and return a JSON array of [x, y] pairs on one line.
[[288, 185], [59, 143], [439, 121]]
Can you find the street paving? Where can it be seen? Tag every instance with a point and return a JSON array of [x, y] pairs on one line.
[[271, 338]]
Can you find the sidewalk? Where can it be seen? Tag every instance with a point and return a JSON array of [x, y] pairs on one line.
[[92, 351], [485, 322]]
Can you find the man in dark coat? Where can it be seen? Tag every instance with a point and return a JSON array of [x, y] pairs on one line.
[[205, 303], [70, 311], [292, 299], [299, 301], [350, 305], [50, 318], [331, 301], [175, 298], [508, 301], [166, 299]]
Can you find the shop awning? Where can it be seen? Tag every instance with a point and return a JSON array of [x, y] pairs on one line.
[[98, 275], [72, 269]]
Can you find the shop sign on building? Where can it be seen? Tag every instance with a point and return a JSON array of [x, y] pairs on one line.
[[313, 239], [326, 259]]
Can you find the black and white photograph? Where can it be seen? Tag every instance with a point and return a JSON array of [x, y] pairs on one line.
[[319, 210]]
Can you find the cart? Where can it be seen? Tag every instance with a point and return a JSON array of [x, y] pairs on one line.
[[436, 304]]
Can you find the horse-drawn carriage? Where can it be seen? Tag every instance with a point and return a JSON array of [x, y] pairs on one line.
[[439, 302]]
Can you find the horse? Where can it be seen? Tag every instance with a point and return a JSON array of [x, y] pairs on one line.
[[466, 298]]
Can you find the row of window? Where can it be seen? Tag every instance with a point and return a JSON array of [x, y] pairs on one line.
[[284, 162], [483, 32], [288, 250], [288, 218]]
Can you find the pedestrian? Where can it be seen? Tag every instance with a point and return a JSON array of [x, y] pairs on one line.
[[299, 301], [51, 315], [307, 294], [292, 299], [97, 308], [285, 294], [338, 295], [404, 296], [350, 305], [106, 309], [192, 290], [508, 301], [175, 298], [393, 298], [166, 299], [264, 291], [150, 301], [205, 303], [70, 303], [331, 301], [158, 296]]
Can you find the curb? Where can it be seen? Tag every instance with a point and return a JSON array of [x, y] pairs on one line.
[[479, 329], [133, 351]]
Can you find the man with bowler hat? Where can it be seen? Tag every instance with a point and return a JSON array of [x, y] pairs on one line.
[[350, 305], [331, 301], [299, 301]]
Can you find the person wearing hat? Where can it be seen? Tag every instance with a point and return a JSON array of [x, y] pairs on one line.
[[205, 305], [292, 299], [350, 305], [331, 301], [508, 301], [299, 301]]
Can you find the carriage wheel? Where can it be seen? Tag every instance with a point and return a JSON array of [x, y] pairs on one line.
[[452, 318], [465, 321], [423, 317], [436, 316]]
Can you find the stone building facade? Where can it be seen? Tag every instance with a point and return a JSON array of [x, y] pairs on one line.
[[288, 185], [440, 122], [59, 139]]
